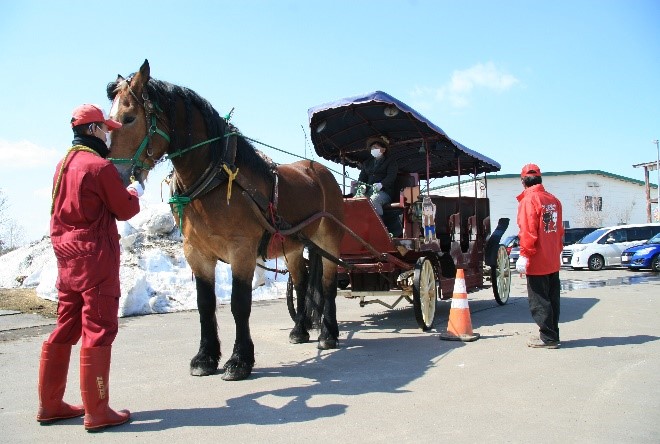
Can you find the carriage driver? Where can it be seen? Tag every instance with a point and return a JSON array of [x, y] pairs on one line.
[[379, 172], [88, 198]]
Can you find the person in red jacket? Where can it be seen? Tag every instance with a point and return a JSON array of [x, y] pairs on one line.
[[88, 198], [541, 233]]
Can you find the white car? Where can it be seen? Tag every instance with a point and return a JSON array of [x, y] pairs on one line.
[[603, 247]]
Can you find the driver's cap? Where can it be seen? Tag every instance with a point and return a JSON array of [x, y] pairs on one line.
[[89, 113]]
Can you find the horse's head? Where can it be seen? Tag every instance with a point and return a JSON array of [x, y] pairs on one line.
[[144, 136]]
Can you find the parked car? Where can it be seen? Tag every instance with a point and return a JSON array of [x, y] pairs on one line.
[[603, 247], [513, 257], [572, 235], [509, 242], [512, 244], [646, 255]]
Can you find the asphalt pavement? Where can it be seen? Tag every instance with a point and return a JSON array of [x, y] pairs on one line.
[[387, 382]]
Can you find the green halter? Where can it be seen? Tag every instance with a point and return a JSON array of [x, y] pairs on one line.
[[135, 161]]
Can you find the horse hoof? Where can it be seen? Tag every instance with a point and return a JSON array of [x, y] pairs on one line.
[[298, 338], [236, 371], [327, 344], [203, 366]]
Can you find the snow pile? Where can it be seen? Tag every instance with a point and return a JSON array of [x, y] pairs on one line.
[[154, 275]]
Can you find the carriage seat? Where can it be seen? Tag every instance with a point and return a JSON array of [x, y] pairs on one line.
[[473, 227], [396, 214], [459, 229], [455, 226], [408, 186]]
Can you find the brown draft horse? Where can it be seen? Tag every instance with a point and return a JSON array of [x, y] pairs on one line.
[[273, 210]]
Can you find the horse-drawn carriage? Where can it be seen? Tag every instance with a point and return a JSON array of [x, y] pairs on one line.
[[232, 204], [397, 255]]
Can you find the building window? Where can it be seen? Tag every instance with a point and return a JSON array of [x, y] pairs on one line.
[[593, 203]]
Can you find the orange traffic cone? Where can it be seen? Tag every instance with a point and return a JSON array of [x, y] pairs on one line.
[[459, 327]]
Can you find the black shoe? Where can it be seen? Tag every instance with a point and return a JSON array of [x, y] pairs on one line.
[[538, 343]]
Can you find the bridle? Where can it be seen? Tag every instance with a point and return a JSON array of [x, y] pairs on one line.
[[151, 116]]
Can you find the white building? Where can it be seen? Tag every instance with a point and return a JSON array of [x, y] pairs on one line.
[[590, 198]]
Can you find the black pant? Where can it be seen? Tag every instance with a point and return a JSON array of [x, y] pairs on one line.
[[543, 295]]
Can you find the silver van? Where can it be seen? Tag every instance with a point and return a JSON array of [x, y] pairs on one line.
[[603, 247]]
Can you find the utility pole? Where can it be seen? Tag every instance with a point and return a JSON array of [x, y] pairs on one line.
[[657, 170]]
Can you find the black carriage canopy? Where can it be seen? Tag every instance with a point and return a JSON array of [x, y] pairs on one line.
[[340, 131]]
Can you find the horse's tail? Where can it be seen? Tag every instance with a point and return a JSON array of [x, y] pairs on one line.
[[314, 299]]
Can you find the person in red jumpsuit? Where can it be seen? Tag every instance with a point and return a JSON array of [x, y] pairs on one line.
[[541, 233], [88, 198]]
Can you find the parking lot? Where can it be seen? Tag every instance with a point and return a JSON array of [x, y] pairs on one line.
[[387, 382]]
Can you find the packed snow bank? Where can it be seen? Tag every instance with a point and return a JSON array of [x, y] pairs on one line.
[[155, 277]]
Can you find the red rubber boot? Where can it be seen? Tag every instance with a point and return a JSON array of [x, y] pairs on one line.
[[53, 371], [95, 390]]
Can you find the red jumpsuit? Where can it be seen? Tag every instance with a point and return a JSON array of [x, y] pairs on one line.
[[90, 198]]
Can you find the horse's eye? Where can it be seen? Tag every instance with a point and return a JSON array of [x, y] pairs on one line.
[[127, 119]]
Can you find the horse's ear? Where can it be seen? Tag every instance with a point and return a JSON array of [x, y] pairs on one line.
[[142, 77], [145, 70], [111, 88]]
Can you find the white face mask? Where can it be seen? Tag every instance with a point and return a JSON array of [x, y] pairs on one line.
[[107, 136], [376, 153]]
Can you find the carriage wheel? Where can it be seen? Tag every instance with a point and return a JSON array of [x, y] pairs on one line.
[[291, 298], [500, 277], [425, 293]]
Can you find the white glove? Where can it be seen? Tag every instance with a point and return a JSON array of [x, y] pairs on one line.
[[377, 187], [521, 264], [137, 187]]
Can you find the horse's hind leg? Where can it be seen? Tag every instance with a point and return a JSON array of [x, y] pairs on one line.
[[329, 327], [240, 365], [299, 275], [205, 362]]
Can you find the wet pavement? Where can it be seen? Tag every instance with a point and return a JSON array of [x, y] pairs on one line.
[[638, 278]]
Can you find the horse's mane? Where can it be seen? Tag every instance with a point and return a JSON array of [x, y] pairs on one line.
[[166, 95]]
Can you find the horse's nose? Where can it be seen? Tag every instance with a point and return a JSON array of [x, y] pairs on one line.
[[124, 173]]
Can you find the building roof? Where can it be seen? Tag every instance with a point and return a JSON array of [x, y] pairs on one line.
[[558, 173], [651, 166]]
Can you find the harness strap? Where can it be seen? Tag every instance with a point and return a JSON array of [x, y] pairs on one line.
[[295, 231], [179, 203], [276, 192], [274, 270], [213, 176], [231, 176]]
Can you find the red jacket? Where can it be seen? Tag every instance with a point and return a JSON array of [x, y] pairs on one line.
[[541, 230], [90, 198]]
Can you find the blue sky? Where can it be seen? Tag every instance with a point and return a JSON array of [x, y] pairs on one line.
[[570, 85]]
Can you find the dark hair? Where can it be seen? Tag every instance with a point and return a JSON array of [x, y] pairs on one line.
[[80, 130], [532, 180]]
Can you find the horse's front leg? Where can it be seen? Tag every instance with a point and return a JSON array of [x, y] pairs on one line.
[[205, 362], [240, 365]]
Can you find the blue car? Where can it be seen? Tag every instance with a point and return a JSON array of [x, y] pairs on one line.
[[646, 255]]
